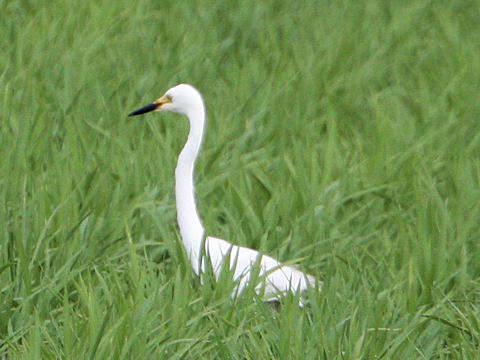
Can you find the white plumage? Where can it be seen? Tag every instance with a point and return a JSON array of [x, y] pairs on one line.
[[274, 279]]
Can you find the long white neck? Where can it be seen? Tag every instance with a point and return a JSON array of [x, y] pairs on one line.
[[189, 222]]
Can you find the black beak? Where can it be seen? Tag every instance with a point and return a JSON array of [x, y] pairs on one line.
[[143, 110]]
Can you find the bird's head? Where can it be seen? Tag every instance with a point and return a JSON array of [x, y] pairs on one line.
[[181, 99]]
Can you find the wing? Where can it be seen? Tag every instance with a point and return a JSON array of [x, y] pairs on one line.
[[276, 279]]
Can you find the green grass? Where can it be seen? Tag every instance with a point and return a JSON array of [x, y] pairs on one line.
[[343, 136]]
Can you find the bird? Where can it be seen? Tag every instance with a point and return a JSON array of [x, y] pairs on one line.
[[274, 279]]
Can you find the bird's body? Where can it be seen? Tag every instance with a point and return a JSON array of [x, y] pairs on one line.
[[274, 279]]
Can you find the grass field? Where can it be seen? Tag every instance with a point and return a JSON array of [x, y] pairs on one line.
[[342, 136]]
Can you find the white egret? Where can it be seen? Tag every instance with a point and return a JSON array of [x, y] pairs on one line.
[[274, 279]]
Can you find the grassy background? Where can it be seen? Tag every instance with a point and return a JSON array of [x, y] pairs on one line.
[[343, 135]]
